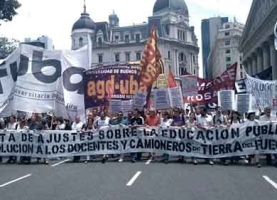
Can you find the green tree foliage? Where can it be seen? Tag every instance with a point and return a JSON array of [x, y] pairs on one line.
[[8, 9], [7, 46]]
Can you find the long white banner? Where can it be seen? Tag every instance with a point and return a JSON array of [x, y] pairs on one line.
[[36, 80], [247, 139]]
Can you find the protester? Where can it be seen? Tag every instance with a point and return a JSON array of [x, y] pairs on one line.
[[252, 121], [12, 125], [204, 122], [191, 125], [77, 126], [86, 128], [179, 120], [268, 117], [60, 125], [136, 121], [166, 121]]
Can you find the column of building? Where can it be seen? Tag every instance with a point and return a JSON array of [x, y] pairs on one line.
[[273, 58]]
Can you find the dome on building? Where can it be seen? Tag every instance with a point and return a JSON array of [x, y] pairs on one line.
[[173, 5], [85, 22]]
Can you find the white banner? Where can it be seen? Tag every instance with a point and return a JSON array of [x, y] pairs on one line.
[[189, 85], [38, 80], [243, 103], [226, 99], [247, 139], [139, 100], [176, 97], [262, 91], [161, 99]]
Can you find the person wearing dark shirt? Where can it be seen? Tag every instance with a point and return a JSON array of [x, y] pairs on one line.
[[136, 121]]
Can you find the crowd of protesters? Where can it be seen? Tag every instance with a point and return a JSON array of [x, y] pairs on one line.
[[193, 117]]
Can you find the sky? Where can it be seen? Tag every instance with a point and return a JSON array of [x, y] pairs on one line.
[[55, 18]]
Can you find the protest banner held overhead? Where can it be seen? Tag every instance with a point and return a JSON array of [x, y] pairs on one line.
[[207, 89], [123, 80], [35, 80]]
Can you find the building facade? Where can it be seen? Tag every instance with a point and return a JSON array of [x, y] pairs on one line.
[[115, 44], [209, 30], [225, 51], [43, 42], [257, 44]]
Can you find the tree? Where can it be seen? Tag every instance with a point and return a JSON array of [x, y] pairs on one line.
[[8, 9], [7, 46]]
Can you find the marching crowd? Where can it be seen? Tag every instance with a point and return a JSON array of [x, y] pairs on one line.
[[193, 117]]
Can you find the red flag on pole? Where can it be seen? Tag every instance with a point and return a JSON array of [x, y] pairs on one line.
[[151, 66], [171, 80]]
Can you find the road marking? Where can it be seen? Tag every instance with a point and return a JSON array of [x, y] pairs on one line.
[[132, 180], [15, 180], [59, 163], [270, 181], [148, 161]]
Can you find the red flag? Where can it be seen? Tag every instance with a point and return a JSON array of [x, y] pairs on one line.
[[171, 80], [150, 63]]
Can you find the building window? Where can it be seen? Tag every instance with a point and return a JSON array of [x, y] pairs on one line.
[[241, 66], [168, 55], [116, 38], [127, 56], [117, 57], [127, 38], [227, 26], [227, 33], [241, 75], [100, 41], [100, 58], [181, 56], [137, 38], [138, 56], [181, 35], [228, 59], [227, 42], [228, 65], [194, 72], [227, 51], [81, 42], [194, 59]]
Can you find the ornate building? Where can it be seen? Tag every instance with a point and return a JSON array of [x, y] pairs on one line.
[[257, 44], [115, 44]]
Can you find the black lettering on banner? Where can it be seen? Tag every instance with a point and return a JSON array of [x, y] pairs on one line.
[[264, 130], [175, 146], [139, 144], [65, 137], [132, 144], [82, 137], [74, 136], [189, 147], [101, 135], [109, 134], [115, 145], [13, 68], [3, 73], [109, 145], [237, 147], [124, 143], [11, 138], [72, 87], [164, 132], [200, 136], [204, 147], [172, 134], [55, 149], [117, 133], [190, 135], [209, 135], [89, 136], [40, 139], [38, 64], [62, 148], [39, 150], [248, 131]]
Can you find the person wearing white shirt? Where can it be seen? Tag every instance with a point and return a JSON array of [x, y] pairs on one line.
[[268, 117], [166, 121], [204, 122], [77, 125], [60, 124]]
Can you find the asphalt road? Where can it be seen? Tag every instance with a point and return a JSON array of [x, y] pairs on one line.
[[138, 181]]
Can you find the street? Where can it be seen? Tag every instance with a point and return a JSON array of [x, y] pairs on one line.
[[145, 180]]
